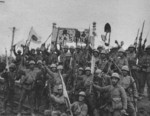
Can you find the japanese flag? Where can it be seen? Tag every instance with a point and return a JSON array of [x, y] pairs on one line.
[[33, 37]]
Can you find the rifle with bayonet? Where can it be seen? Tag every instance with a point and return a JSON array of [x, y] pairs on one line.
[[136, 39], [140, 42]]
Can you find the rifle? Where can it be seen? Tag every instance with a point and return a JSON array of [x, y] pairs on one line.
[[135, 42], [140, 41]]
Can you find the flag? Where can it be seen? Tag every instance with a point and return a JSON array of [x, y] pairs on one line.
[[65, 94], [34, 37]]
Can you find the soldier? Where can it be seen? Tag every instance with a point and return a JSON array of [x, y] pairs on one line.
[[32, 55], [128, 83], [80, 108], [72, 50], [118, 98], [9, 85], [38, 55], [77, 55], [144, 62], [101, 64], [78, 84], [18, 56], [54, 77], [27, 83], [132, 64], [100, 48], [67, 62], [59, 108], [96, 55], [121, 60], [88, 79], [39, 84], [63, 54]]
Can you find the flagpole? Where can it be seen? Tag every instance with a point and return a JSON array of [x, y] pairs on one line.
[[12, 42]]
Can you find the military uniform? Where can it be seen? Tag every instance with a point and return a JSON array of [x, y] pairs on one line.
[[118, 99], [90, 96], [129, 85], [144, 62], [80, 108], [9, 85], [27, 82], [117, 102]]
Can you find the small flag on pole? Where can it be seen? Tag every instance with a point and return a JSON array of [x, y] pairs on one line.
[[68, 104], [33, 37]]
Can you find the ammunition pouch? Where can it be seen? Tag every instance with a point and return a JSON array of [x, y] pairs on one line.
[[116, 103]]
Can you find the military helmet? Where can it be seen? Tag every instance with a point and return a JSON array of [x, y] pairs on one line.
[[148, 47], [60, 67], [71, 47], [131, 46], [81, 68], [32, 62], [126, 68], [53, 66], [60, 87], [103, 52], [100, 46], [19, 51], [68, 54], [12, 65], [98, 71], [121, 50], [82, 93], [39, 62], [116, 75], [87, 69], [95, 51], [65, 47]]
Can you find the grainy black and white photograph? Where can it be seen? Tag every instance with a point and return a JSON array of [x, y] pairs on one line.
[[74, 57]]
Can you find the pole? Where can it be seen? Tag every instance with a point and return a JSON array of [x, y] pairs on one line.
[[93, 58], [12, 42]]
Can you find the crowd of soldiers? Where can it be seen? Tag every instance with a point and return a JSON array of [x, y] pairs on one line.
[[118, 80]]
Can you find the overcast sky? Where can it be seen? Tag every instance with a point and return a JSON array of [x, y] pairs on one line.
[[124, 16]]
